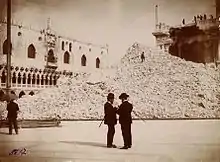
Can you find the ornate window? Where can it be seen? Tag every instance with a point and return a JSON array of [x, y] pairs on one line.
[[50, 57], [97, 62], [3, 78], [70, 47], [83, 60], [14, 78], [31, 51], [21, 94], [5, 47], [63, 44], [66, 57], [31, 93]]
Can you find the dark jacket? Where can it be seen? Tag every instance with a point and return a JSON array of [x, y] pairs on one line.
[[124, 113], [110, 114], [12, 108]]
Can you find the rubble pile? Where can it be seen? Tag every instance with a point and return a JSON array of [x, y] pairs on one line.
[[163, 86]]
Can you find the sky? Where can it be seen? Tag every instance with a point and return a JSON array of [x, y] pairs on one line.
[[118, 23]]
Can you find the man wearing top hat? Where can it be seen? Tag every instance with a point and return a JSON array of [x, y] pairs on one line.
[[125, 120], [110, 119]]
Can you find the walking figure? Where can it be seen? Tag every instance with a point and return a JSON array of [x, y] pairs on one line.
[[142, 57], [125, 120], [12, 109], [110, 119]]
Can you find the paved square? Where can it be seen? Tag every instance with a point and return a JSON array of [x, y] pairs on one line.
[[153, 141]]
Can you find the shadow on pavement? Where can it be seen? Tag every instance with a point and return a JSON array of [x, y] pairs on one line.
[[95, 144]]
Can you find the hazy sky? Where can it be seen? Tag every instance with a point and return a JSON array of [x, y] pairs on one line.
[[116, 22]]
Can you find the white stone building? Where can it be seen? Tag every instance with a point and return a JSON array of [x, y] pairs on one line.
[[39, 57]]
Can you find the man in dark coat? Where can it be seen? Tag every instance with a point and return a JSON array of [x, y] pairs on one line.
[[12, 109], [125, 120], [110, 119]]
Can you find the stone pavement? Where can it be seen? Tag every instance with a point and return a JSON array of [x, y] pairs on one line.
[[153, 141]]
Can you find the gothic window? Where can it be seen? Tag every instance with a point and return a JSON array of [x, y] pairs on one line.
[[83, 60], [90, 49], [31, 51], [3, 78], [63, 44], [14, 78], [46, 80], [50, 57], [38, 79], [66, 57], [42, 80], [97, 63], [55, 80], [29, 79], [51, 80], [31, 93], [19, 78], [24, 79], [70, 47], [5, 47], [21, 94], [33, 79]]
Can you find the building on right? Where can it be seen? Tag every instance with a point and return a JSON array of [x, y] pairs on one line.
[[197, 41]]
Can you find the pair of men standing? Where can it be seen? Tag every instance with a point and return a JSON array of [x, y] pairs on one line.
[[125, 119]]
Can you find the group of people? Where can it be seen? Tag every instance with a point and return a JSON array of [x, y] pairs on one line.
[[124, 111]]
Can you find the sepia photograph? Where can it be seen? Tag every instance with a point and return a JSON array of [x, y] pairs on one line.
[[110, 80]]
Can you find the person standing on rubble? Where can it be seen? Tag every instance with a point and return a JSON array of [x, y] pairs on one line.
[[125, 119], [110, 119], [142, 57], [12, 109]]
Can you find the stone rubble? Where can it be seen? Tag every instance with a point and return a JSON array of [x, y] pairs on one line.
[[163, 86]]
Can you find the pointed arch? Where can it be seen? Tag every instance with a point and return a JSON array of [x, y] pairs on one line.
[[66, 58], [97, 62], [29, 79], [63, 44], [3, 78], [21, 94], [5, 47], [38, 79], [31, 93], [19, 78], [51, 57], [83, 60], [70, 47], [31, 51], [14, 78]]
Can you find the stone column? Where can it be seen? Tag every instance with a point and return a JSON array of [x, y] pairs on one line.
[[16, 80], [31, 80], [218, 54], [1, 79]]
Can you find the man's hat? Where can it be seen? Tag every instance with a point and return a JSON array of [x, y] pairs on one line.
[[111, 96], [123, 96]]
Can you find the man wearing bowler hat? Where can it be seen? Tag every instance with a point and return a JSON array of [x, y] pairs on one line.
[[125, 120], [110, 119]]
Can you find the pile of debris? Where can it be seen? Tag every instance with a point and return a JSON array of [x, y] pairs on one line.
[[163, 86]]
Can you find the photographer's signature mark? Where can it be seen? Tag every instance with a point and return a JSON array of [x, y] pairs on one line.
[[18, 152]]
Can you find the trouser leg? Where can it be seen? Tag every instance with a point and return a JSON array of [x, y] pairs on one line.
[[124, 130], [110, 134], [15, 123], [10, 125], [129, 135]]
